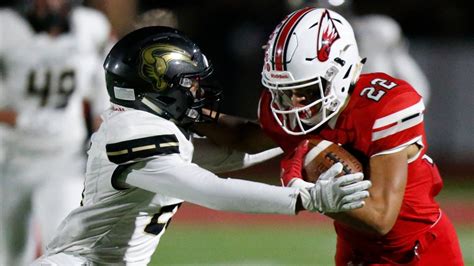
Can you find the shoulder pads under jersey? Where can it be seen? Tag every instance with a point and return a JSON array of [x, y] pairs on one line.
[[14, 26], [91, 26], [135, 135]]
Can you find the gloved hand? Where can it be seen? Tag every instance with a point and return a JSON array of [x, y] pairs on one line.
[[331, 194], [328, 193], [292, 165]]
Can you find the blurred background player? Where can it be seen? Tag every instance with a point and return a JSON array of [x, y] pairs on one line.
[[381, 41], [51, 54], [312, 71], [139, 168]]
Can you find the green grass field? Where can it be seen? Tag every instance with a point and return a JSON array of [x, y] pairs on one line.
[[259, 245], [237, 245], [281, 242]]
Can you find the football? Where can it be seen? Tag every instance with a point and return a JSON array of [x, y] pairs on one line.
[[323, 154]]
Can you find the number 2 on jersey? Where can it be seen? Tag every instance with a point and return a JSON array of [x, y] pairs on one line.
[[376, 94], [162, 219]]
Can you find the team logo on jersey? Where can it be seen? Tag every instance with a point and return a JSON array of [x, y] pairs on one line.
[[327, 35], [155, 61]]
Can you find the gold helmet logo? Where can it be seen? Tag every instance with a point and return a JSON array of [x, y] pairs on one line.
[[155, 60]]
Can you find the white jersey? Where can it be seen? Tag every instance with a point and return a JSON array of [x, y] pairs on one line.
[[122, 225], [45, 79]]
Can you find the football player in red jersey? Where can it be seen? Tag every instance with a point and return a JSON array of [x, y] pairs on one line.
[[312, 72]]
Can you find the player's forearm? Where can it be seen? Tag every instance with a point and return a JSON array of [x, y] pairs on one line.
[[196, 185], [219, 159], [253, 139], [236, 133], [371, 220], [388, 175]]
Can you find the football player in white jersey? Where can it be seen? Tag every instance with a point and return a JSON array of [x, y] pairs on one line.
[[139, 168], [51, 60], [381, 39]]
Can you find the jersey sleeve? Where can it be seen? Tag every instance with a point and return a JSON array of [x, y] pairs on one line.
[[8, 27], [3, 34], [8, 37], [176, 178], [398, 124], [137, 136], [137, 149], [92, 28]]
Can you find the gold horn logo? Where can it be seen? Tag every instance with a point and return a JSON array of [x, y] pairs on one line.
[[155, 60]]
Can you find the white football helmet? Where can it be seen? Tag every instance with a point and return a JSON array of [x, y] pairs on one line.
[[311, 61]]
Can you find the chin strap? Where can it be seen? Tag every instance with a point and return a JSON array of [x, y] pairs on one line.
[[183, 124], [358, 70], [147, 104]]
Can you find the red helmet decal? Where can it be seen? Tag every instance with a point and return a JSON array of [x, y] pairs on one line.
[[327, 35]]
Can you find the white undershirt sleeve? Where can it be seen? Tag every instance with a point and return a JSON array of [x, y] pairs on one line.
[[218, 159], [170, 175]]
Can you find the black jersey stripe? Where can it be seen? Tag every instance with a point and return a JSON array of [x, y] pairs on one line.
[[129, 150], [117, 176]]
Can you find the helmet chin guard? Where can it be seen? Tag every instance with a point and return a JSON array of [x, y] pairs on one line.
[[311, 61], [300, 120]]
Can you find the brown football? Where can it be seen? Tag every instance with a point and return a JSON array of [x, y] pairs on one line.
[[323, 154]]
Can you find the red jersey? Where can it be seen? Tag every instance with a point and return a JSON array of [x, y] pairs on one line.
[[383, 116]]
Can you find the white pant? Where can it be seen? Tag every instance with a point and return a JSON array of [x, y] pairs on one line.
[[36, 195], [60, 259]]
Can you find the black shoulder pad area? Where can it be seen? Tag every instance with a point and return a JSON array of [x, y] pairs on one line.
[[129, 150]]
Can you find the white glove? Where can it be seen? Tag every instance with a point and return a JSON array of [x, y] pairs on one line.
[[331, 194]]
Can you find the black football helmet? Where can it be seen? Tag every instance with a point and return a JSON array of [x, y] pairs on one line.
[[160, 71]]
